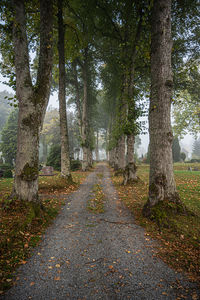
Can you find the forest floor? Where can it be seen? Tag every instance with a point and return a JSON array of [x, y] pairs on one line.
[[95, 250]]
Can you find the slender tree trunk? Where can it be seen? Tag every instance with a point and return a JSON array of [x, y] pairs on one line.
[[161, 180], [130, 175], [32, 100], [44, 149], [85, 133], [121, 153], [77, 99], [97, 146], [65, 157]]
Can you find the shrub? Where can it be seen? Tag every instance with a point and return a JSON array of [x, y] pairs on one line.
[[6, 170], [75, 165], [54, 157]]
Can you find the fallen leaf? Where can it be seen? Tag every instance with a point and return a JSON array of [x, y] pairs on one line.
[[32, 283], [57, 278], [57, 266], [110, 267]]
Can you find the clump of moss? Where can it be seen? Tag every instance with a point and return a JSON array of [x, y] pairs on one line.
[[29, 172], [162, 212]]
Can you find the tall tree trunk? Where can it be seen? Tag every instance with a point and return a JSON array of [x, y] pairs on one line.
[[32, 100], [85, 133], [161, 180], [130, 175], [121, 153], [77, 98], [97, 146], [65, 157], [44, 149]]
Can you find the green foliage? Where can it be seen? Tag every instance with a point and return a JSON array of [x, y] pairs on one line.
[[5, 108], [183, 156], [75, 165], [8, 144], [7, 170], [54, 157], [196, 149], [176, 150]]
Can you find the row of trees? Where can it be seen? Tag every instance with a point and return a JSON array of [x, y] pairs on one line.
[[126, 45]]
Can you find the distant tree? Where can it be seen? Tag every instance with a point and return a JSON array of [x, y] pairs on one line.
[[54, 157], [148, 156], [5, 108], [183, 156], [8, 144], [196, 149], [176, 150]]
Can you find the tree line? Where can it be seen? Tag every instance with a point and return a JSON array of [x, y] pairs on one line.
[[110, 57]]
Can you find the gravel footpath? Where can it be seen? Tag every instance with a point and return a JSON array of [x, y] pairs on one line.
[[97, 256]]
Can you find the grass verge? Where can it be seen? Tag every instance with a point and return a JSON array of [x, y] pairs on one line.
[[96, 204], [19, 232], [179, 241]]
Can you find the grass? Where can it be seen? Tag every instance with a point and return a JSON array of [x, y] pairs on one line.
[[179, 241], [96, 204], [19, 233]]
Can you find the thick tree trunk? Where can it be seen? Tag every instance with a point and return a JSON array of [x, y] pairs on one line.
[[161, 180], [27, 159], [130, 175], [65, 157], [32, 100]]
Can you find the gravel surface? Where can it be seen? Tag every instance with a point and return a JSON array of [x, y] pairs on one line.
[[97, 256]]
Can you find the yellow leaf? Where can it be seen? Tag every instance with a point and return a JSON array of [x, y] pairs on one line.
[[57, 266]]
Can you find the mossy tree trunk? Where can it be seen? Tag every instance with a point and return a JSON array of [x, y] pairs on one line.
[[65, 157], [162, 185], [33, 100], [121, 152]]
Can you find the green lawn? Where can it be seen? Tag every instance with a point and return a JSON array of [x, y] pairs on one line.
[[180, 237]]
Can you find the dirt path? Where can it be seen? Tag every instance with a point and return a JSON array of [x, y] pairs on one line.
[[97, 256]]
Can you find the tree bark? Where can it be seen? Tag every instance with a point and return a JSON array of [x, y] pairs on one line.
[[85, 133], [97, 146], [130, 175], [65, 157], [32, 100], [161, 180], [121, 153]]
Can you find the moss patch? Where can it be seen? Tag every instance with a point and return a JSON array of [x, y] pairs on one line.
[[29, 172]]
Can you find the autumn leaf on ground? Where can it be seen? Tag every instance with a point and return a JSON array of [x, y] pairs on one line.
[[57, 278]]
